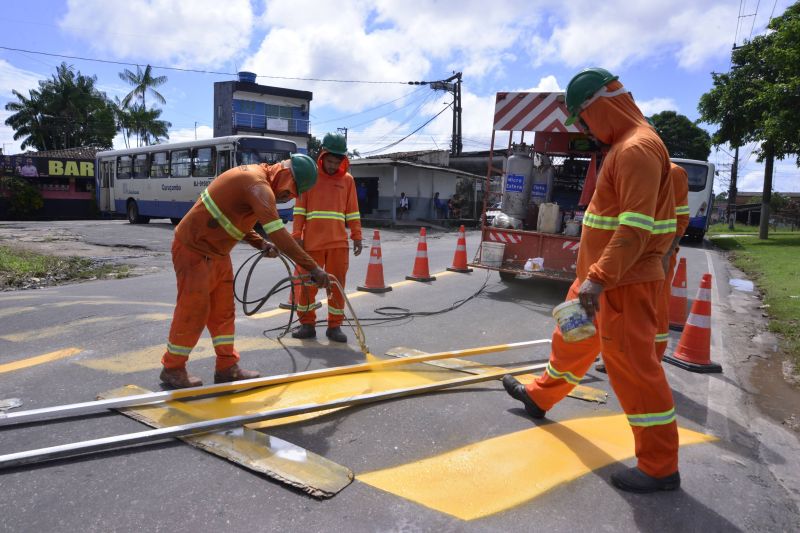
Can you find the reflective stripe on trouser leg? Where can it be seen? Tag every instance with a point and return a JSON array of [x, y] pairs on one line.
[[628, 325], [337, 260], [569, 362], [306, 291], [223, 313], [193, 275], [662, 309]]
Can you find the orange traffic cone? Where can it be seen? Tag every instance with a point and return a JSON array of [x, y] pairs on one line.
[[677, 298], [374, 282], [421, 272], [460, 258], [295, 289], [694, 349]]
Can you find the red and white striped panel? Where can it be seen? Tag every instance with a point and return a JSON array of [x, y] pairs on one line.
[[508, 238], [572, 246], [531, 112]]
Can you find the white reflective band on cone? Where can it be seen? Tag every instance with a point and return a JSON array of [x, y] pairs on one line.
[[704, 295], [422, 253], [699, 321]]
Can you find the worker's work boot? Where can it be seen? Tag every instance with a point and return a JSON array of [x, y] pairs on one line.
[[516, 390], [234, 373], [179, 378], [304, 331], [336, 334], [634, 480]]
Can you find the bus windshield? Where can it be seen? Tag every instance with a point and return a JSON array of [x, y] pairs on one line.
[[255, 151], [698, 175]]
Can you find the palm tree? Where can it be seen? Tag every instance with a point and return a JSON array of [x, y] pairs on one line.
[[27, 120], [143, 82]]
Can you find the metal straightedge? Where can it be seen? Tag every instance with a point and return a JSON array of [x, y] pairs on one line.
[[96, 406], [207, 426]]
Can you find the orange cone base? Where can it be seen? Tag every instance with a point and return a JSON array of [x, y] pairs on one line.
[[676, 327], [414, 278], [284, 305], [374, 289], [460, 270], [710, 368]]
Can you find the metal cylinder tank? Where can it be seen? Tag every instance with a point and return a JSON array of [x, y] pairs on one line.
[[542, 182], [517, 182]]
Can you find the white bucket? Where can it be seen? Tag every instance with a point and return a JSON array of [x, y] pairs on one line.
[[492, 253], [573, 321]]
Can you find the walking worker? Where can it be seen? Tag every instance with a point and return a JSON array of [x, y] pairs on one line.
[[225, 214], [680, 189], [628, 227], [321, 218]]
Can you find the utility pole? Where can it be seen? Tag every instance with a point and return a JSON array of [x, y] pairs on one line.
[[732, 189], [453, 86], [343, 131]]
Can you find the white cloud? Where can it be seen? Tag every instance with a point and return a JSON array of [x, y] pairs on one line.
[[617, 32], [199, 33], [657, 105], [17, 79], [188, 134]]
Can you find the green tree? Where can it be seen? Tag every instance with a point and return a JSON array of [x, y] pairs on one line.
[[683, 137], [314, 147], [144, 124], [143, 82], [757, 100], [66, 111], [145, 120]]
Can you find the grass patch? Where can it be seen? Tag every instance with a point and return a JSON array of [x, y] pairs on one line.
[[721, 228], [774, 266], [22, 268]]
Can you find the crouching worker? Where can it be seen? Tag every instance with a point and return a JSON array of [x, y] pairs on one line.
[[322, 216], [225, 214]]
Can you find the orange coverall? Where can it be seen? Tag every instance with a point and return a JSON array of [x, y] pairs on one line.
[[680, 187], [320, 217], [628, 227], [224, 214]]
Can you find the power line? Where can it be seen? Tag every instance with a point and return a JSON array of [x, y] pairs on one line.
[[753, 25], [337, 119], [410, 134], [197, 71]]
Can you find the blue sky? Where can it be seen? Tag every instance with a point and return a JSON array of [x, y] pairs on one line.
[[663, 50]]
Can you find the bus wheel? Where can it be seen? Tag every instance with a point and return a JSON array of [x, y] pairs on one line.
[[175, 221], [133, 214]]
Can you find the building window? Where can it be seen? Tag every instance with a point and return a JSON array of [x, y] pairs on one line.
[[261, 116]]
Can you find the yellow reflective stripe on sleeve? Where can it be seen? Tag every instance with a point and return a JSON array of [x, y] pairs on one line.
[[569, 377], [599, 222], [220, 217], [219, 340], [665, 226], [329, 215], [353, 216], [662, 337], [275, 225], [179, 350], [637, 220], [682, 210], [652, 419]]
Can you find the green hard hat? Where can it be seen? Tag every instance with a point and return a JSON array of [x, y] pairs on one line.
[[335, 143], [583, 86], [304, 170]]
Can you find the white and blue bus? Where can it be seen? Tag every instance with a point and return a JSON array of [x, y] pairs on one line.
[[701, 195], [165, 180]]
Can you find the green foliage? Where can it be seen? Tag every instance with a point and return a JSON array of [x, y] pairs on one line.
[[683, 137], [24, 199], [314, 147], [132, 115], [66, 111]]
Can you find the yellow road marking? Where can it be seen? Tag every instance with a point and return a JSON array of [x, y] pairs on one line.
[[69, 328], [503, 472], [350, 296], [19, 310], [38, 360]]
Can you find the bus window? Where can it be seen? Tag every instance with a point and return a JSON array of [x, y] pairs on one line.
[[180, 164], [203, 162], [124, 167], [697, 174], [255, 151], [159, 165], [223, 161], [140, 166]]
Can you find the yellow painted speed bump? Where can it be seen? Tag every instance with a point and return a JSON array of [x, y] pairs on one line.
[[501, 473]]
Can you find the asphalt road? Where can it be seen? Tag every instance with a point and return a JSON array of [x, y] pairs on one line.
[[747, 479]]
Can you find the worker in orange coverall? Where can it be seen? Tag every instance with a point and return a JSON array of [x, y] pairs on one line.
[[321, 216], [629, 226], [680, 189], [224, 214]]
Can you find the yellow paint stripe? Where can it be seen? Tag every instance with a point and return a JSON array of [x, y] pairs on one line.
[[58, 305], [500, 473], [38, 360], [69, 328], [350, 296]]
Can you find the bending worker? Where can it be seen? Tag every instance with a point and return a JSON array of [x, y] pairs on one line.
[[320, 217], [628, 228], [680, 190], [225, 214]]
